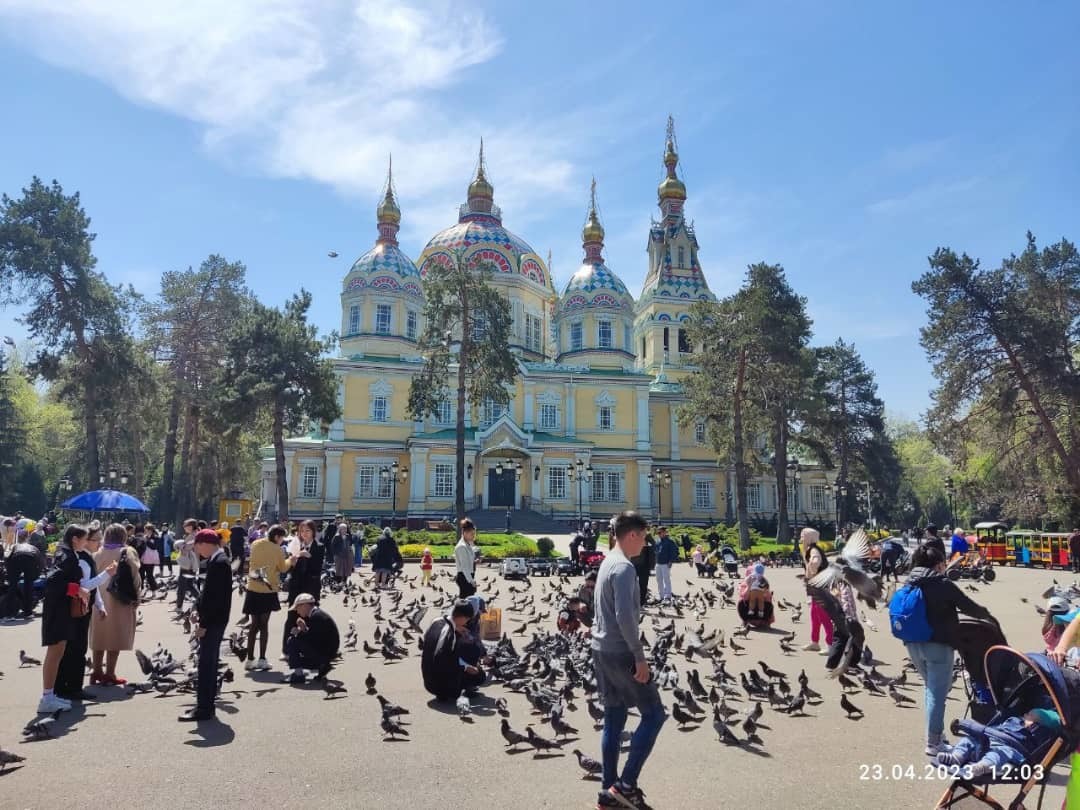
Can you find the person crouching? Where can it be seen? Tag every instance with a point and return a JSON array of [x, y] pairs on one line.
[[450, 663], [314, 640]]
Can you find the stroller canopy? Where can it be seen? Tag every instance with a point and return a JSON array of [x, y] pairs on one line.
[[1021, 680], [974, 639]]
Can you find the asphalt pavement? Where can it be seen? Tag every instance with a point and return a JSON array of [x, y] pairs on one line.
[[288, 747]]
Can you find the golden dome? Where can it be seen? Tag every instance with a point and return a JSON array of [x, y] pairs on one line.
[[480, 187], [593, 230], [672, 188], [388, 210]]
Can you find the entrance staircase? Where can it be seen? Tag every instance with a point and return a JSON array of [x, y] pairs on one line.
[[525, 521]]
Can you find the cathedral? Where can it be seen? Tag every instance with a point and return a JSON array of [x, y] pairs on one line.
[[592, 425]]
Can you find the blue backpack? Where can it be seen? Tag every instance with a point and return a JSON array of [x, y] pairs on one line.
[[907, 614]]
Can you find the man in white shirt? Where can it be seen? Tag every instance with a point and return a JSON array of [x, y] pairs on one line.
[[465, 557]]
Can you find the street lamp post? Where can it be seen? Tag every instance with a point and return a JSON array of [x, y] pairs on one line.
[[660, 479], [950, 490], [394, 473], [795, 493], [839, 492], [580, 472]]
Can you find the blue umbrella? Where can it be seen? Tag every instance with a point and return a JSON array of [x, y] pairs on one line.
[[105, 500]]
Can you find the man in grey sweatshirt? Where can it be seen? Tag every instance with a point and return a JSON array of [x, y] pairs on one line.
[[622, 673]]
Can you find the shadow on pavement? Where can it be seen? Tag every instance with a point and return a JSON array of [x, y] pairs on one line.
[[212, 733]]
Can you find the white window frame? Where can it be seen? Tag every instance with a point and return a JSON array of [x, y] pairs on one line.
[[753, 497], [412, 321], [310, 481], [442, 480], [605, 418], [444, 415], [533, 332], [819, 499], [388, 311], [704, 495], [370, 485], [556, 483], [354, 319], [490, 412], [602, 325], [380, 408], [699, 432], [548, 416], [577, 336]]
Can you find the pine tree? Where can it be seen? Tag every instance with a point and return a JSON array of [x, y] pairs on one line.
[[467, 332]]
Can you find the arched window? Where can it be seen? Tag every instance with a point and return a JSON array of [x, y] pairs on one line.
[[682, 256]]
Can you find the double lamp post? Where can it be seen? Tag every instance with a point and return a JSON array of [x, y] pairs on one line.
[[394, 473]]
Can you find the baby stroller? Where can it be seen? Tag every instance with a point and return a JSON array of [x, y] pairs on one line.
[[974, 638], [730, 560], [1019, 682]]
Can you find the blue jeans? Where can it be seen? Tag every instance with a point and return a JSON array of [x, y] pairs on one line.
[[641, 743], [358, 553], [934, 661]]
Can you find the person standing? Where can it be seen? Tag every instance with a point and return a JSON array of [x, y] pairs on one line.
[[890, 554], [643, 564], [933, 657], [38, 539], [385, 559], [61, 587], [306, 576], [465, 558], [342, 548], [69, 678], [426, 565], [622, 673], [931, 539], [166, 549], [266, 565], [1074, 550], [188, 561], [666, 555], [149, 556], [113, 629], [212, 607], [815, 563], [238, 545]]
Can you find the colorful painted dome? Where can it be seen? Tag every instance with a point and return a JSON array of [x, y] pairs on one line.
[[385, 267], [480, 236], [594, 285]]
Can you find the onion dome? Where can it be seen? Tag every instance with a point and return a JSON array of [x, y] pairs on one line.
[[594, 285], [385, 267], [479, 235], [671, 187]]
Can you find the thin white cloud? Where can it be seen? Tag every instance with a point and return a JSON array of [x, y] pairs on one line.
[[318, 90], [932, 196]]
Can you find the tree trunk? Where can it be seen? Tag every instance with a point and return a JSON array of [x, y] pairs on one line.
[[168, 470], [93, 461], [182, 500], [844, 451], [192, 477], [783, 532], [279, 464], [139, 470], [740, 455], [459, 480]]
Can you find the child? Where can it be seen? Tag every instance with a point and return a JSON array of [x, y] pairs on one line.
[[425, 567], [1015, 739], [698, 558], [759, 590], [1053, 628]]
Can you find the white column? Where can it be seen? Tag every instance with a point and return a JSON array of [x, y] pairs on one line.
[[674, 420], [643, 437], [676, 497], [645, 490], [571, 410], [337, 427], [527, 422], [332, 490], [289, 454], [417, 478]]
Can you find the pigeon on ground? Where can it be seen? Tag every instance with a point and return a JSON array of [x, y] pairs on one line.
[[513, 738], [849, 707], [681, 717], [389, 709], [369, 682], [8, 758], [590, 766], [333, 689], [899, 698], [26, 661], [501, 707], [561, 727], [392, 729], [538, 742]]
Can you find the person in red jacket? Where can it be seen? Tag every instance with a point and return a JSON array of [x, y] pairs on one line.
[[426, 564]]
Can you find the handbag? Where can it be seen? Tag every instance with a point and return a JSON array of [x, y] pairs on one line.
[[79, 609], [122, 585]]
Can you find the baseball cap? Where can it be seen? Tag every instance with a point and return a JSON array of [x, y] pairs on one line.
[[302, 599]]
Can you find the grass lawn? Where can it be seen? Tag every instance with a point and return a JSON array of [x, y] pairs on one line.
[[493, 545]]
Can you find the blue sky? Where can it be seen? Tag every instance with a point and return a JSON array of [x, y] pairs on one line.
[[843, 140]]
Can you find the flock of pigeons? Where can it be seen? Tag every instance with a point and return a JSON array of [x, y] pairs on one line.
[[553, 671]]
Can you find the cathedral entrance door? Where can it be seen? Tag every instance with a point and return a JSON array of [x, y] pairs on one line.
[[501, 488]]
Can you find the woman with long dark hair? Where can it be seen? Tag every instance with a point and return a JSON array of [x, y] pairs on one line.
[[69, 678], [306, 576], [57, 622]]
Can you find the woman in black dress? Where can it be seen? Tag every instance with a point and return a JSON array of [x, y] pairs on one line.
[[69, 678], [57, 625]]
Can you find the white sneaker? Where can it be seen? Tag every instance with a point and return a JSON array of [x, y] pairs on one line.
[[250, 665], [262, 665], [942, 746], [51, 703], [812, 647]]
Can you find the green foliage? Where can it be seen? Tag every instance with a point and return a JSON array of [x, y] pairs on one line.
[[750, 371], [545, 545], [273, 363], [1003, 343], [494, 546], [463, 311]]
